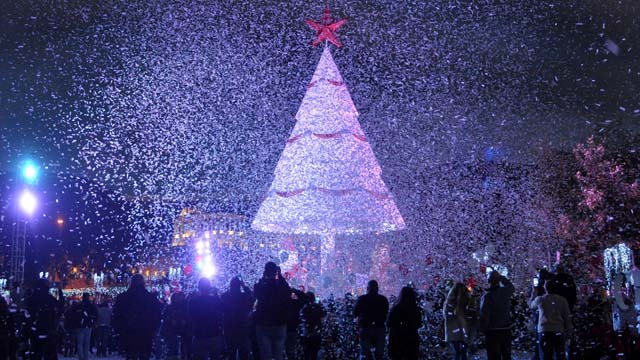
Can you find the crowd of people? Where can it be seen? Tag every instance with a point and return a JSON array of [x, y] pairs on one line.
[[275, 321]]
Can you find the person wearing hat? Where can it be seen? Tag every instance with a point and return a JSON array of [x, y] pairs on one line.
[[272, 295], [495, 316]]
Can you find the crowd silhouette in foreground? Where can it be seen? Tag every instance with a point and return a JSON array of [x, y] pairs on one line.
[[275, 321]]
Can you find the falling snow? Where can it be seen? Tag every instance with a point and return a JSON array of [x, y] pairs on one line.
[[472, 109]]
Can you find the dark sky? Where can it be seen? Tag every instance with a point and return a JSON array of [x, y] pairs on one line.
[[191, 102], [520, 74]]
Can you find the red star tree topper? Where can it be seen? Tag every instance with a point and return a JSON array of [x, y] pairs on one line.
[[326, 29]]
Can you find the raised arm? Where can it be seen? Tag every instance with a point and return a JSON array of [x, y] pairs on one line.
[[507, 284]]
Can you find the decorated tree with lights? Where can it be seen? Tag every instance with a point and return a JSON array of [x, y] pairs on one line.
[[606, 208], [327, 181]]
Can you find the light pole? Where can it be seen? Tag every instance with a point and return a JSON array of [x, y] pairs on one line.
[[27, 203], [26, 206]]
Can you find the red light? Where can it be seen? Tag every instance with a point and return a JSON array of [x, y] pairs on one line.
[[60, 221]]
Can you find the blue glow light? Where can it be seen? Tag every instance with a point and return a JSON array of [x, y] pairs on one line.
[[29, 172]]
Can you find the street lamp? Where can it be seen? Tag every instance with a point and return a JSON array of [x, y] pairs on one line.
[[28, 202], [29, 172]]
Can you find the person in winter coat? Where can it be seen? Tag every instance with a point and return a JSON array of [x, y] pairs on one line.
[[205, 313], [371, 311], [405, 318], [554, 322], [565, 286], [311, 316], [175, 320], [495, 316], [103, 329], [456, 329], [297, 299], [237, 304], [272, 294], [80, 319], [136, 318], [44, 311]]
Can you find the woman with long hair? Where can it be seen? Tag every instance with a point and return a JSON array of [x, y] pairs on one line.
[[405, 318], [456, 328]]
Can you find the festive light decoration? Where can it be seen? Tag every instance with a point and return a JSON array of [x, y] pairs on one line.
[[110, 291], [204, 258], [326, 29], [617, 259], [328, 180]]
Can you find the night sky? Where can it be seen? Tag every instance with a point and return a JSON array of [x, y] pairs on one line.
[[190, 103]]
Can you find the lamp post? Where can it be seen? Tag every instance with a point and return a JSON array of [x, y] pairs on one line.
[[26, 204]]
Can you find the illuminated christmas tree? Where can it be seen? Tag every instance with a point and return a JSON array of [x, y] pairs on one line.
[[327, 181]]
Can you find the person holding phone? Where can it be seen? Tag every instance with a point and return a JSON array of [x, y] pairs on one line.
[[311, 315], [237, 304], [272, 295]]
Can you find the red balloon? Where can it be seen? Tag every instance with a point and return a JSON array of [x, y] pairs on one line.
[[188, 269], [471, 282], [403, 269]]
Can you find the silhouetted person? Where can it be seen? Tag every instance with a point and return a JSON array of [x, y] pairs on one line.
[[237, 303], [205, 313], [297, 299], [371, 311], [7, 331], [103, 328], [456, 329], [536, 291], [495, 317], [272, 294], [565, 286], [44, 311], [136, 318], [405, 318], [311, 316], [80, 319], [554, 322], [175, 320]]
